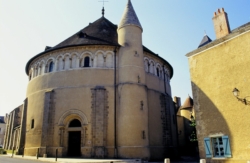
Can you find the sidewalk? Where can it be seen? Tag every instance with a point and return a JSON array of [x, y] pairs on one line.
[[76, 160]]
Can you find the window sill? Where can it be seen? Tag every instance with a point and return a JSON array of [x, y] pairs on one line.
[[219, 158]]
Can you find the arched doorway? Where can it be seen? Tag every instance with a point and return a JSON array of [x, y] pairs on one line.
[[74, 139]]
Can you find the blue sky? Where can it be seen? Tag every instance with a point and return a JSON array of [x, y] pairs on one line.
[[170, 29]]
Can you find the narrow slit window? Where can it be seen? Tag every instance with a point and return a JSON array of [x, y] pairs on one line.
[[143, 135], [32, 123]]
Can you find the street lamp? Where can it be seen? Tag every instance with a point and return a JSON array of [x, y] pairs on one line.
[[236, 93]]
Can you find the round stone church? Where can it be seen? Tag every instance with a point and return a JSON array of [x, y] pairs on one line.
[[100, 94]]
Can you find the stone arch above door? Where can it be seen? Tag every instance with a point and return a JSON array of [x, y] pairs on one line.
[[72, 114]]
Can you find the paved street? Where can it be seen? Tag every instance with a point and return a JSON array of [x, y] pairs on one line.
[[4, 159], [32, 159]]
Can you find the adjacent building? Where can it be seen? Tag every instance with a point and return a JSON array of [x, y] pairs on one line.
[[15, 133], [186, 127], [217, 68], [2, 130]]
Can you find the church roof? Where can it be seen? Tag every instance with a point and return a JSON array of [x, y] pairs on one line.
[[205, 40], [129, 17], [100, 32]]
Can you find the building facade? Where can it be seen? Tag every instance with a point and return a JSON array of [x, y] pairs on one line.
[[15, 130], [2, 130], [187, 140], [100, 93], [216, 68]]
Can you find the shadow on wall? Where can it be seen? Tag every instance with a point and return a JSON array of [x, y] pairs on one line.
[[210, 122]]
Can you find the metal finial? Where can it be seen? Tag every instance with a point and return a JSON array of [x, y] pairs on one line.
[[103, 10]]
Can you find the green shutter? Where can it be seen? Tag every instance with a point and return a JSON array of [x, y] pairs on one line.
[[226, 146], [207, 147]]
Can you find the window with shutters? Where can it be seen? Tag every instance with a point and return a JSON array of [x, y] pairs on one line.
[[217, 147]]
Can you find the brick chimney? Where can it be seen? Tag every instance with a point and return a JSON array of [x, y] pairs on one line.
[[221, 24]]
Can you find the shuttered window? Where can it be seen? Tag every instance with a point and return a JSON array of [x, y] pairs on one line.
[[207, 147], [217, 147], [226, 146]]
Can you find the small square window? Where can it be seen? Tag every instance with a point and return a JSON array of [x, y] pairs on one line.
[[217, 147], [218, 150]]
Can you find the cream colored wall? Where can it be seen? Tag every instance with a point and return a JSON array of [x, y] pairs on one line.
[[72, 91], [214, 74], [132, 91], [155, 125], [72, 58], [35, 111]]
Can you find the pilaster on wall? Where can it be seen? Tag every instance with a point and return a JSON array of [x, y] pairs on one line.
[[48, 119], [11, 127], [23, 127], [166, 121], [99, 122], [6, 136]]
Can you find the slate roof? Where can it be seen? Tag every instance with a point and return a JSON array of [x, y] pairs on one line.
[[129, 17], [2, 119], [205, 40], [100, 32]]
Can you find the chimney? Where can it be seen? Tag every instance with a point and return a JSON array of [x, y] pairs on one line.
[[221, 24], [177, 101]]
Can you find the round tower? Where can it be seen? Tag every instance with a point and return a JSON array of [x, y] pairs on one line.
[[132, 115]]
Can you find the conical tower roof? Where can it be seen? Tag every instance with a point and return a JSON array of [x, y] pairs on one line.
[[188, 103], [205, 40], [129, 17]]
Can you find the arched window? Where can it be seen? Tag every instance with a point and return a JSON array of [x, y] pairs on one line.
[[86, 62], [157, 71], [152, 67], [75, 123], [146, 65], [51, 66]]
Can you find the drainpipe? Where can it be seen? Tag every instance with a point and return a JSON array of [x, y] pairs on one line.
[[115, 141], [164, 80]]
